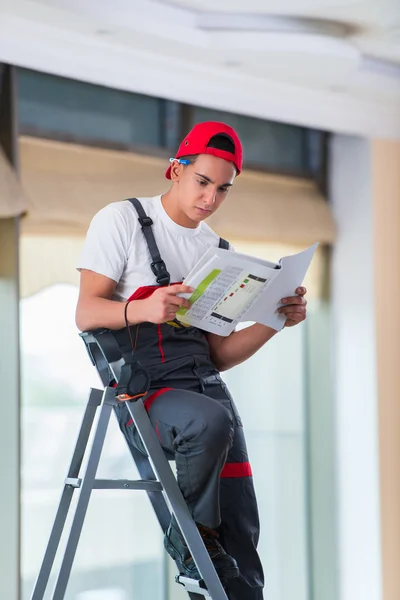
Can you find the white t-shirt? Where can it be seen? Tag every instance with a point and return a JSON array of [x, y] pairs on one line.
[[115, 245]]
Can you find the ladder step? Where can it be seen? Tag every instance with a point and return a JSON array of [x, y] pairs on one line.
[[117, 484], [193, 586]]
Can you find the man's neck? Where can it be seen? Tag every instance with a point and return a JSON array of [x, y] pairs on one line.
[[170, 203]]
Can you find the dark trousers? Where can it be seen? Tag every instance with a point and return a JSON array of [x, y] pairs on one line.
[[202, 431]]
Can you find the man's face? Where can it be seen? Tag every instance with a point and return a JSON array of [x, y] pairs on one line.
[[203, 186]]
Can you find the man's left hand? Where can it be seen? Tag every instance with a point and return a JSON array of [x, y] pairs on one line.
[[294, 308]]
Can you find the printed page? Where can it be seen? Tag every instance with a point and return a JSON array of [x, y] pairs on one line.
[[226, 286], [260, 261], [230, 256], [291, 276]]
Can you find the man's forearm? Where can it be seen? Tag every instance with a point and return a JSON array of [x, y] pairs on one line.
[[101, 312], [241, 345]]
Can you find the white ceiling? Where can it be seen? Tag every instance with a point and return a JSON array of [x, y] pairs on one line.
[[332, 64]]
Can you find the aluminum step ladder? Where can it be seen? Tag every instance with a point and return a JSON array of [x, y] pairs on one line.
[[157, 480]]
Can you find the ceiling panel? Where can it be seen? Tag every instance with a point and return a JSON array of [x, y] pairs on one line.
[[157, 48], [261, 6], [289, 57], [385, 47], [374, 13]]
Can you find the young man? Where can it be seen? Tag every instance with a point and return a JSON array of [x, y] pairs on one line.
[[123, 280]]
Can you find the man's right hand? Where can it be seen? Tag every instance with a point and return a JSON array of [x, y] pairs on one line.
[[164, 303]]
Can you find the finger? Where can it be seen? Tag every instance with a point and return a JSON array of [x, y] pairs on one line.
[[290, 323], [179, 288], [291, 310], [170, 314], [296, 317], [295, 308], [176, 302], [294, 313], [301, 291], [294, 300]]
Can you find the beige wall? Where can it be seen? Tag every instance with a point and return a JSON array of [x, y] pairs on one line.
[[67, 184], [386, 202]]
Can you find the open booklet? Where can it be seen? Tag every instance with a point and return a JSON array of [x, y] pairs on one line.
[[230, 288]]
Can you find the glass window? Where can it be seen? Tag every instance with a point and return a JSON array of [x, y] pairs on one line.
[[271, 405], [60, 107], [267, 145], [120, 554], [66, 109], [273, 410]]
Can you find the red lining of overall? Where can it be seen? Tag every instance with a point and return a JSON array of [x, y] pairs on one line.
[[160, 342], [158, 432], [143, 292], [149, 401], [236, 470]]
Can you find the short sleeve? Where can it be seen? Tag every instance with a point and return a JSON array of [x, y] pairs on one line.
[[105, 250]]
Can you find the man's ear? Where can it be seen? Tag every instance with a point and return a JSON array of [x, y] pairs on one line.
[[176, 170]]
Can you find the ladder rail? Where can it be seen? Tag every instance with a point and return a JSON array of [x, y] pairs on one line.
[[146, 472], [84, 495], [179, 507], [157, 477]]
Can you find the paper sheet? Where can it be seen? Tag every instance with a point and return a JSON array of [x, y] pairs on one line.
[[231, 288]]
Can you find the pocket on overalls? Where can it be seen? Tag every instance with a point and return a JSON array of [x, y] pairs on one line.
[[213, 385]]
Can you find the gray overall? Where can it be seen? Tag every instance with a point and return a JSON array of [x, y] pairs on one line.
[[199, 427]]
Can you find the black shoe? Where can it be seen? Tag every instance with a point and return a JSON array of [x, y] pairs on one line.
[[176, 547]]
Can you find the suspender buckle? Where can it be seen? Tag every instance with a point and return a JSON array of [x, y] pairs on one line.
[[145, 221], [158, 266], [159, 269]]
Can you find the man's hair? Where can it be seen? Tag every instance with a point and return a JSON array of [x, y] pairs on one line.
[[221, 141]]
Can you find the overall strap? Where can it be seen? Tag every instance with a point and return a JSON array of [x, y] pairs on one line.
[[223, 244], [158, 266]]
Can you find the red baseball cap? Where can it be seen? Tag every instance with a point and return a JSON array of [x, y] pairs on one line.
[[198, 138]]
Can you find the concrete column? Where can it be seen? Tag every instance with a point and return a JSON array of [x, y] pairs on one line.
[[354, 368], [9, 362], [386, 283]]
